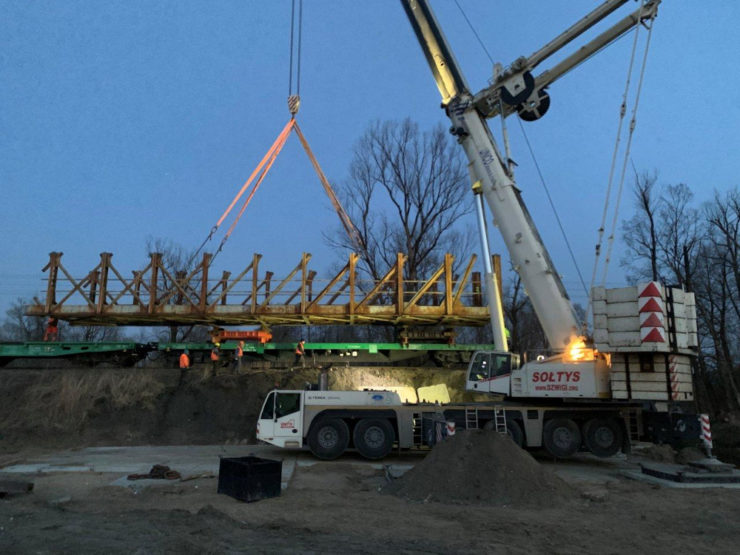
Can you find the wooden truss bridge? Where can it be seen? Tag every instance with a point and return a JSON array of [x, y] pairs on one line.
[[156, 295]]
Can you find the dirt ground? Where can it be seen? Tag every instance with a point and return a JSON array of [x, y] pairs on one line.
[[341, 506], [338, 508]]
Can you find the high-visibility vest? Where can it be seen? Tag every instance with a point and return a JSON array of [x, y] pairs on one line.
[[299, 348], [239, 351], [184, 361], [214, 354]]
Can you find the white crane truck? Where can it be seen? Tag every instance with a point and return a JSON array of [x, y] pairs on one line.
[[631, 380]]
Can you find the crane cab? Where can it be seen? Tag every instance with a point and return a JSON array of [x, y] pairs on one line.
[[490, 371]]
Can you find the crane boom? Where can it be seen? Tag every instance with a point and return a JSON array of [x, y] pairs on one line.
[[524, 244]]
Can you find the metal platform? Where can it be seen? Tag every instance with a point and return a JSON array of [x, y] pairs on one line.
[[120, 352], [156, 295], [256, 355]]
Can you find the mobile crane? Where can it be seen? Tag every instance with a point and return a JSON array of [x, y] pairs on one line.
[[632, 381]]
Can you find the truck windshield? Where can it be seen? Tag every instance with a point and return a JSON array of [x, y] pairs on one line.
[[480, 367], [268, 410], [501, 364]]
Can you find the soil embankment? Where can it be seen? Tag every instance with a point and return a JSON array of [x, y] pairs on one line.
[[74, 407]]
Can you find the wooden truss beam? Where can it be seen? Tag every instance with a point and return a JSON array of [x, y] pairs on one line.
[[161, 295]]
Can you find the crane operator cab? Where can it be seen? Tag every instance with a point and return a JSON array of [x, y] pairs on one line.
[[490, 371]]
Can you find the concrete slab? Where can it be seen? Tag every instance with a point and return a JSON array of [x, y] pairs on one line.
[[638, 475], [188, 460], [724, 474]]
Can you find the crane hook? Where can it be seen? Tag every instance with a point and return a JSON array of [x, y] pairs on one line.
[[294, 102]]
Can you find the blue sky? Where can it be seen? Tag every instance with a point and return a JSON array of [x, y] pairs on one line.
[[122, 120]]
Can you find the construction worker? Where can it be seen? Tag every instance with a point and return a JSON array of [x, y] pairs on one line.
[[238, 354], [300, 352], [215, 358], [52, 331], [185, 360]]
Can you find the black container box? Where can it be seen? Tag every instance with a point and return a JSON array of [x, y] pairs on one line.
[[249, 478]]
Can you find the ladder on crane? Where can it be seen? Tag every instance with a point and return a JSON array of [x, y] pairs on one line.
[[499, 420], [498, 423], [471, 418], [418, 431]]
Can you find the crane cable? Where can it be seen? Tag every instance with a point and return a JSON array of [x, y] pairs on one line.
[[292, 49], [531, 152], [554, 210], [260, 172], [293, 105], [261, 169], [610, 182], [266, 163], [633, 121]]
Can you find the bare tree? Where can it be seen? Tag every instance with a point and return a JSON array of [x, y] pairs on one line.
[[405, 193], [678, 234], [639, 232], [717, 285], [526, 334], [17, 326], [89, 333], [178, 262], [672, 241], [20, 327]]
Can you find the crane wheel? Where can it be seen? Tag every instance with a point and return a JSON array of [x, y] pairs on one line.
[[535, 106], [517, 97], [328, 438], [513, 430], [561, 437], [603, 436], [373, 437]]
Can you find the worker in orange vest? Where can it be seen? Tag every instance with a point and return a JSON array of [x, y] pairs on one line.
[[300, 352], [215, 357], [52, 331], [185, 360], [238, 354]]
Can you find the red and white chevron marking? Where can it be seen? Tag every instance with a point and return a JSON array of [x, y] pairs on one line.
[[651, 309], [706, 430], [674, 377]]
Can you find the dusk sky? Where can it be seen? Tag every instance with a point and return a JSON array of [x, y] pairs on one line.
[[122, 120]]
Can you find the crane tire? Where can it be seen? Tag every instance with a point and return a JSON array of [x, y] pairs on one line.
[[329, 437], [374, 437], [561, 437], [603, 436], [515, 432]]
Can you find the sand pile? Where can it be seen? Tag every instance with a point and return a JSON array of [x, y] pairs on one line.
[[481, 467]]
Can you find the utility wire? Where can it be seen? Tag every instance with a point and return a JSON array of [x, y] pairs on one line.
[[552, 205], [534, 159], [474, 31]]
